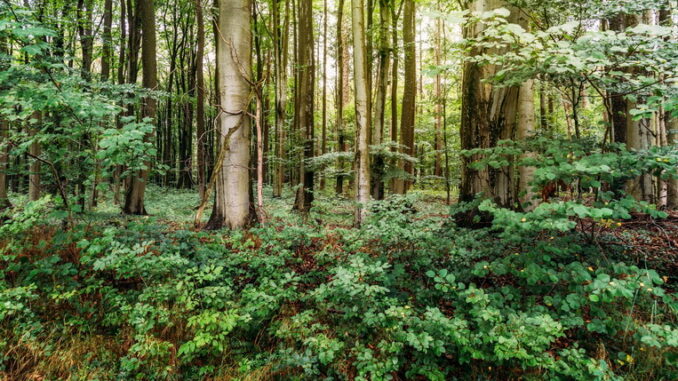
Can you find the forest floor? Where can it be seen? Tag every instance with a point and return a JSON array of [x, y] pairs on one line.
[[407, 296]]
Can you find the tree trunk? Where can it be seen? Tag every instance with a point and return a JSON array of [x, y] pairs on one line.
[[490, 114], [395, 183], [280, 36], [233, 208], [438, 141], [382, 88], [34, 169], [341, 81], [409, 94], [362, 110], [86, 35], [4, 164], [106, 54], [323, 141], [305, 93], [200, 101], [134, 200]]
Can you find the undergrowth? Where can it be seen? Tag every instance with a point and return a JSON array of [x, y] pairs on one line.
[[408, 296]]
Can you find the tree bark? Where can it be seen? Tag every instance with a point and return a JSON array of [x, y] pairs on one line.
[[382, 88], [305, 98], [134, 200], [362, 110], [233, 208], [280, 45], [341, 81], [106, 54], [4, 164], [35, 150], [200, 101], [409, 94], [489, 114]]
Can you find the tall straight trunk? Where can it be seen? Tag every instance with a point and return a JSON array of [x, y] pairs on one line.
[[106, 54], [409, 94], [134, 200], [85, 33], [323, 142], [200, 101], [672, 184], [4, 164], [341, 139], [280, 47], [121, 80], [34, 186], [488, 114], [543, 102], [394, 90], [361, 109], [4, 147], [618, 103], [671, 130], [233, 202], [305, 98], [382, 89], [438, 141]]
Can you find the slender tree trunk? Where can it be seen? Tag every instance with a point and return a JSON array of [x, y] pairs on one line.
[[362, 110], [306, 94], [106, 54], [134, 200], [4, 164], [86, 35], [233, 202], [409, 94], [34, 186], [323, 142], [382, 89], [281, 30], [438, 141], [395, 183], [200, 101], [341, 139]]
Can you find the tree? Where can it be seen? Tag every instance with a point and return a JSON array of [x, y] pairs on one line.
[[382, 90], [305, 97], [362, 110], [233, 202], [342, 95], [409, 93], [4, 161], [134, 200], [200, 101], [280, 48], [489, 114]]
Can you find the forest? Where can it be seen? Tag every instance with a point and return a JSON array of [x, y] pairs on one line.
[[338, 190]]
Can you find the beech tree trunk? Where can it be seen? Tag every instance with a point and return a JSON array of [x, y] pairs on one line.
[[233, 202], [341, 96], [438, 140], [35, 150], [409, 93], [490, 114], [361, 109], [106, 53], [305, 93], [200, 101], [4, 164], [134, 200], [382, 88]]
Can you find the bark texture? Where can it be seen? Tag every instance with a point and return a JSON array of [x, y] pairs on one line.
[[233, 202]]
